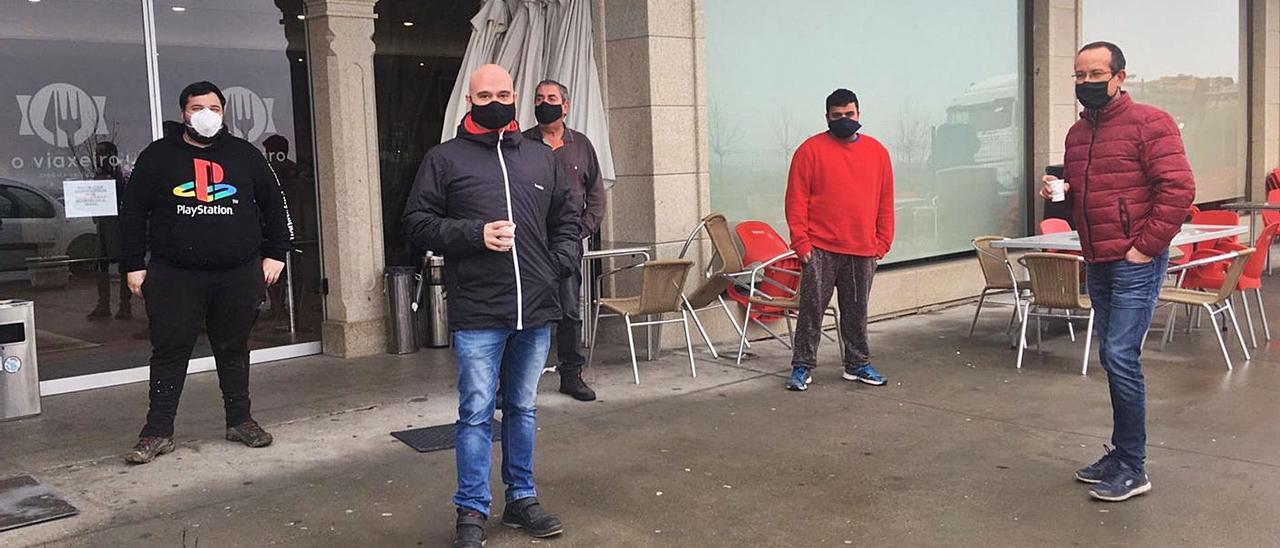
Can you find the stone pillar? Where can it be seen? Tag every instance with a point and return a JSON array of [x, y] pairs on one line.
[[341, 52], [1264, 94], [657, 118], [1055, 37]]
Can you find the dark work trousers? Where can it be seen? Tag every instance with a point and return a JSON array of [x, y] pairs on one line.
[[179, 302], [569, 331], [103, 275], [825, 273]]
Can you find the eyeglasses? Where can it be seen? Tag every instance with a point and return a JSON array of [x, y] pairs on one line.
[[1091, 76]]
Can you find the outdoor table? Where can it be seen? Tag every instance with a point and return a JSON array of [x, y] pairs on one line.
[[1070, 241], [590, 280], [1252, 207]]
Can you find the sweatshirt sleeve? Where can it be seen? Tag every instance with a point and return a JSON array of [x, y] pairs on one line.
[[564, 233], [277, 229], [884, 215], [797, 201], [1173, 187], [135, 213], [426, 221]]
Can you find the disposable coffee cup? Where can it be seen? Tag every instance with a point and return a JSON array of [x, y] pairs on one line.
[[1057, 191]]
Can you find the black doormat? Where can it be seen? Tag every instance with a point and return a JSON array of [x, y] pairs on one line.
[[24, 501], [436, 438]]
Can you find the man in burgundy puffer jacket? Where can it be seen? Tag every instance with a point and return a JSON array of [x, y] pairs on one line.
[[1128, 175]]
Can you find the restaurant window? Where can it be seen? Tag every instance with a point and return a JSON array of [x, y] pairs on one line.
[[940, 84], [1195, 78]]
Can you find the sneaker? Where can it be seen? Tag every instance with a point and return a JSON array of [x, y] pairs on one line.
[[800, 379], [469, 529], [527, 514], [100, 313], [571, 383], [865, 373], [1123, 484], [148, 448], [1098, 471], [250, 434]]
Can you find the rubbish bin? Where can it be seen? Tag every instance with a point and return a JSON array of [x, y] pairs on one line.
[[432, 305], [400, 332], [19, 378]]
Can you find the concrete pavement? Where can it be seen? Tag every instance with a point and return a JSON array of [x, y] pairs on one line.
[[960, 449]]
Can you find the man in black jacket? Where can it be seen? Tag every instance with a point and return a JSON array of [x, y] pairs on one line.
[[210, 211], [471, 195]]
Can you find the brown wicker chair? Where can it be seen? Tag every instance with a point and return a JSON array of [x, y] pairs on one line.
[[1215, 303], [1000, 278], [661, 292], [1055, 285], [727, 260]]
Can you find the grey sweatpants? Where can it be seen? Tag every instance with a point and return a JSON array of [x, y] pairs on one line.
[[825, 273]]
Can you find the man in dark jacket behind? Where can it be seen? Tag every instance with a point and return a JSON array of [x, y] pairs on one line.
[[1131, 183], [471, 195], [207, 207], [586, 188]]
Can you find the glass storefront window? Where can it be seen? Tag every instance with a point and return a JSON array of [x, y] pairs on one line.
[[940, 84], [1187, 62], [74, 105], [256, 52], [79, 107]]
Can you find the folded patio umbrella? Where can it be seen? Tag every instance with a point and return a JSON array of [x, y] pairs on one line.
[[487, 28], [536, 40]]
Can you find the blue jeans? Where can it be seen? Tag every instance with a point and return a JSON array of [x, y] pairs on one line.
[[484, 355], [1124, 298]]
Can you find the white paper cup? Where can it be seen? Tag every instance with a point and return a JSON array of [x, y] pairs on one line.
[[1056, 190]]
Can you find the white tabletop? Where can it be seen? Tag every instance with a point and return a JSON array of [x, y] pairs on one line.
[[1070, 241]]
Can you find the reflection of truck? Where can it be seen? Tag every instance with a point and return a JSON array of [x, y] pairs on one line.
[[983, 129], [34, 224]]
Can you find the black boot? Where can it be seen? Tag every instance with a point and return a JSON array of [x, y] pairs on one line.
[[469, 529], [528, 514], [571, 383]]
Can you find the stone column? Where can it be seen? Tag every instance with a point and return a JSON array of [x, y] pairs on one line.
[[1055, 37], [657, 118], [341, 52], [1264, 96]]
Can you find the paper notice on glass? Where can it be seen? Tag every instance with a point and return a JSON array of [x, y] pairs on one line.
[[90, 198]]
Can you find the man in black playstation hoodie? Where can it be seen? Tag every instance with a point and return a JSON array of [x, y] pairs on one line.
[[208, 208]]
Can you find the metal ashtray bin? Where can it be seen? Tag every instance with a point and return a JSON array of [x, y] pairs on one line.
[[400, 331], [19, 376]]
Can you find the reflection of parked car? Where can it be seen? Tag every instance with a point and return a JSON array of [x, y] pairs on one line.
[[34, 224]]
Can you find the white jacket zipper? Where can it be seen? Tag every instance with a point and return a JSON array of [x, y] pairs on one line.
[[515, 256]]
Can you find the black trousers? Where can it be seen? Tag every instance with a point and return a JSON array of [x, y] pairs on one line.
[[569, 330], [179, 302]]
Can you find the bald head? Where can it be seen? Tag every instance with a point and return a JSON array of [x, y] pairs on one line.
[[490, 83]]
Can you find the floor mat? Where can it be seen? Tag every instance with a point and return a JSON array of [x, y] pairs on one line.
[[436, 438], [24, 501]]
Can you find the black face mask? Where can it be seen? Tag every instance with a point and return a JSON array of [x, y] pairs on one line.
[[1093, 95], [843, 128], [494, 115], [547, 113]]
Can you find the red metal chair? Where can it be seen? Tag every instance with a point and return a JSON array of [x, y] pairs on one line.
[[1211, 277], [1054, 226], [1219, 218], [761, 244]]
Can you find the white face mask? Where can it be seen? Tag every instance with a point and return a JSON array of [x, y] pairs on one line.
[[206, 122]]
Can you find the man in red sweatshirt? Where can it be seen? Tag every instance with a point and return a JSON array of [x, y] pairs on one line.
[[840, 211]]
